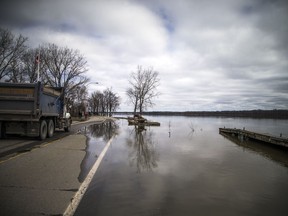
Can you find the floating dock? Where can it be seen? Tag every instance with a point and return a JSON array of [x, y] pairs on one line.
[[244, 134]]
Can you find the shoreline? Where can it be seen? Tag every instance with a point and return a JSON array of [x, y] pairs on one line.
[[264, 114]]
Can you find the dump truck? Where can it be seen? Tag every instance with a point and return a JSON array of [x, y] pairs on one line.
[[32, 110]]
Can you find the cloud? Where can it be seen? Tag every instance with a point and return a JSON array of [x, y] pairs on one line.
[[220, 55]]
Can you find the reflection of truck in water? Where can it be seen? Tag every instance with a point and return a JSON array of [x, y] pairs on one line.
[[32, 110]]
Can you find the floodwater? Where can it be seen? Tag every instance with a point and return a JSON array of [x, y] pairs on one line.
[[185, 167]]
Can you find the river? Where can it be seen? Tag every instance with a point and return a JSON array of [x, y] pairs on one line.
[[185, 167]]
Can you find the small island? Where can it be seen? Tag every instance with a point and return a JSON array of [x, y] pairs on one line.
[[140, 120]]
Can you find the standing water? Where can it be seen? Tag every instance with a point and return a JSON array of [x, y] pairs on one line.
[[185, 167]]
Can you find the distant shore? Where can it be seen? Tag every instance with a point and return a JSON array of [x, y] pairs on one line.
[[272, 114]]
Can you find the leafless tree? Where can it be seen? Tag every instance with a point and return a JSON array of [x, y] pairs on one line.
[[105, 103], [24, 69], [76, 100], [133, 95], [95, 101], [64, 67], [29, 66], [11, 50], [15, 74], [143, 88], [112, 101]]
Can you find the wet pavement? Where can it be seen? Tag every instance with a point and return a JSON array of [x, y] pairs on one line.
[[41, 177]]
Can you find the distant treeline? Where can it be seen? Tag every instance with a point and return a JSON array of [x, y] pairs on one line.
[[274, 114]]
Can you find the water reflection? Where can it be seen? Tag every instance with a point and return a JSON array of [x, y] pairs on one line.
[[97, 137], [276, 154], [205, 174], [143, 152], [169, 132], [105, 130]]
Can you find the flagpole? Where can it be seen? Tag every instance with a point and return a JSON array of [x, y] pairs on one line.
[[38, 62]]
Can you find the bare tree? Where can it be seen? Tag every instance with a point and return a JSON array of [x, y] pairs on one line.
[[98, 102], [106, 102], [25, 68], [64, 67], [133, 95], [16, 74], [29, 66], [77, 100], [59, 67], [143, 88], [11, 50], [112, 101], [95, 101]]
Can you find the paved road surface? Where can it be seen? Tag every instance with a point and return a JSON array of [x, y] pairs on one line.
[[43, 180]]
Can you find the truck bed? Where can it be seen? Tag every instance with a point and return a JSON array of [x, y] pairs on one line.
[[28, 102]]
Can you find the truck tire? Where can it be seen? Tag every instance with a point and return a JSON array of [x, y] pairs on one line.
[[51, 128], [43, 130]]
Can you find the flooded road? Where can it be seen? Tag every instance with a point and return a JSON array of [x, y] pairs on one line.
[[185, 167]]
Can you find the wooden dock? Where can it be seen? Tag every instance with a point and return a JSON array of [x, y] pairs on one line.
[[244, 134]]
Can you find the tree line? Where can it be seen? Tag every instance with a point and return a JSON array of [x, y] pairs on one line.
[[105, 102], [268, 114], [58, 66]]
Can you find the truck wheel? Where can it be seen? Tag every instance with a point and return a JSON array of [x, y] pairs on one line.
[[51, 128], [43, 130]]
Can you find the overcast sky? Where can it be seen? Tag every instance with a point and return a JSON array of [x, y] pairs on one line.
[[210, 55]]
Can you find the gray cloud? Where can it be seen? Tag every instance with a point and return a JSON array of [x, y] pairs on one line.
[[210, 55]]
